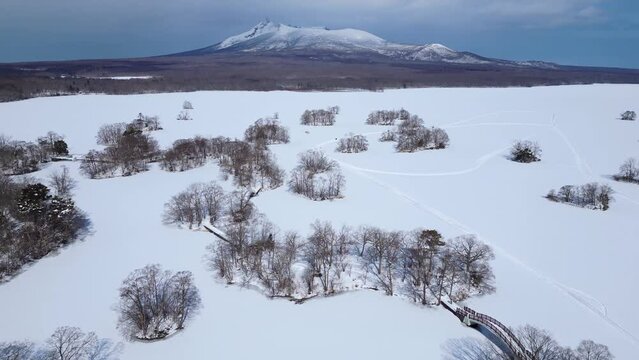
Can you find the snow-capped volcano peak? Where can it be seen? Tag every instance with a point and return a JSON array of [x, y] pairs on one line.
[[270, 36], [282, 40]]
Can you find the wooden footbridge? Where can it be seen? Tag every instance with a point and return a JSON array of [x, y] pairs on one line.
[[498, 333]]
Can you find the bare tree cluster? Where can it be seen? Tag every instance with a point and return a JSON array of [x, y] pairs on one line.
[[250, 163], [525, 151], [317, 177], [254, 252], [186, 154], [628, 171], [155, 303], [66, 343], [319, 117], [352, 143], [386, 117], [34, 223], [197, 203], [592, 195], [21, 157], [413, 136], [628, 115], [325, 255], [127, 152], [111, 134], [540, 343], [432, 268], [266, 132], [418, 265]]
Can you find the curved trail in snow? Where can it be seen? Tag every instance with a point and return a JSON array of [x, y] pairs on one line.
[[478, 164], [588, 302]]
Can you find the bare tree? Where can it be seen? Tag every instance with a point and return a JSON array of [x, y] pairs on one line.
[[154, 303], [187, 105], [473, 259], [539, 342], [419, 260], [320, 253], [382, 257], [110, 134], [628, 171], [70, 343], [62, 182], [472, 349], [590, 350]]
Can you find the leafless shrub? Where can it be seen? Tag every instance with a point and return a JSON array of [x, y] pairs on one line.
[[187, 105], [184, 115], [628, 115], [525, 151]]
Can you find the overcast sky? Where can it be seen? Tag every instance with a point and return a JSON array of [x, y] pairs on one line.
[[580, 32]]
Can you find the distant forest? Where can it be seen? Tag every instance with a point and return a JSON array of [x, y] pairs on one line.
[[263, 73]]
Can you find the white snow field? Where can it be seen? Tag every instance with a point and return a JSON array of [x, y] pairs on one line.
[[563, 268]]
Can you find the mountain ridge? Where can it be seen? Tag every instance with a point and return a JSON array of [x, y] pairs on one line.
[[278, 39]]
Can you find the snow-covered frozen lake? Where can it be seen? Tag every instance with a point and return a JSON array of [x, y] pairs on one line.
[[566, 269]]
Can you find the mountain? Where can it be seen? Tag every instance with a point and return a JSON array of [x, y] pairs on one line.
[[273, 56], [279, 39]]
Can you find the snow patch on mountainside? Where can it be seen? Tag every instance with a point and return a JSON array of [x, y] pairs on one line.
[[270, 36]]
